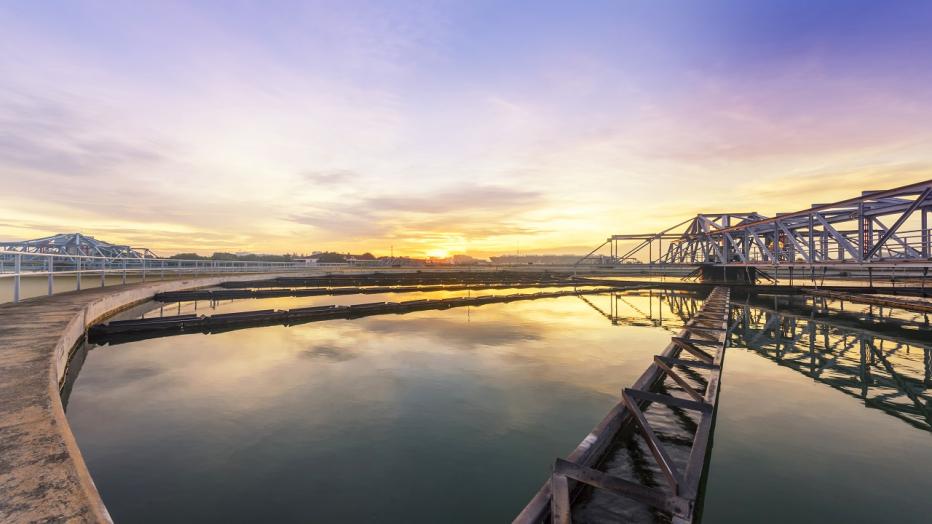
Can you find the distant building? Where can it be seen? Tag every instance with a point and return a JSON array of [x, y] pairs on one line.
[[368, 262], [544, 260], [320, 259]]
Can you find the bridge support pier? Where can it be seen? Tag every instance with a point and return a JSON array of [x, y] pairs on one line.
[[727, 274]]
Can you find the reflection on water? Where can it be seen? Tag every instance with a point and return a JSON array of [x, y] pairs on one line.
[[799, 430], [886, 373], [457, 415], [207, 307], [450, 416]]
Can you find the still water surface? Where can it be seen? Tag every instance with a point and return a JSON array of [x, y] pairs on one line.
[[457, 415], [451, 416]]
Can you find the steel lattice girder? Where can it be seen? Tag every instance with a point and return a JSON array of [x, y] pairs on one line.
[[868, 228], [76, 244]]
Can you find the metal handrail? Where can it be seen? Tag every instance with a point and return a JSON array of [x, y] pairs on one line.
[[52, 264]]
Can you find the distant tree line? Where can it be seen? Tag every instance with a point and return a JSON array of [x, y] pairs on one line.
[[332, 257], [234, 257], [329, 257]]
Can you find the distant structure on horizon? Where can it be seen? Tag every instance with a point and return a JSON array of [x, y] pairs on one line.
[[322, 259], [84, 245], [548, 260]]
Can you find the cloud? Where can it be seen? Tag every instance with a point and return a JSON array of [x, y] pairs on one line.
[[333, 177], [359, 126], [458, 199], [831, 185], [487, 227], [342, 222], [802, 108], [46, 135], [467, 212]]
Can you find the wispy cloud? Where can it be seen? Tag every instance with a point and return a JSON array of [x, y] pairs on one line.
[[458, 215], [469, 127], [49, 136], [458, 199], [330, 177]]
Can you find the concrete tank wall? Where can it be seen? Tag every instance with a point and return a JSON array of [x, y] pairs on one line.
[[42, 474]]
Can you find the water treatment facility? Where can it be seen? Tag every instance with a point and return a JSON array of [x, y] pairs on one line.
[[465, 262], [730, 366]]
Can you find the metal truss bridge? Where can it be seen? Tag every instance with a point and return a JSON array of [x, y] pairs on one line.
[[74, 255], [877, 228], [76, 245]]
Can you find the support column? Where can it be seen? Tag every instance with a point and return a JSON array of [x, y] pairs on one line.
[[824, 246], [726, 243], [51, 264], [812, 257], [17, 269], [776, 243], [864, 236], [925, 233]]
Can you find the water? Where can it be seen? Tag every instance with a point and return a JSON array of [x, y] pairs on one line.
[[457, 415], [206, 307], [835, 419], [790, 449], [451, 416], [825, 415]]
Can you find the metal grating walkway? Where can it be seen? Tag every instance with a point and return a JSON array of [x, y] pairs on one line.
[[685, 377]]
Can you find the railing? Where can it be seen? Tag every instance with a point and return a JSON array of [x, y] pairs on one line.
[[16, 265], [906, 245]]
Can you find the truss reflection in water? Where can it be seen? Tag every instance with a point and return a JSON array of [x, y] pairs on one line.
[[888, 373], [878, 355]]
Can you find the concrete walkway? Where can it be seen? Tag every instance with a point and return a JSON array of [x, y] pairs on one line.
[[42, 474]]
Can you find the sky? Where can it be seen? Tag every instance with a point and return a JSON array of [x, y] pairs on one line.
[[431, 128]]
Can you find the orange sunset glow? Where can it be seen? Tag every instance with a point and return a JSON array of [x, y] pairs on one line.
[[372, 128]]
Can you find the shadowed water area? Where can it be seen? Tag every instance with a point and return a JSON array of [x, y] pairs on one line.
[[457, 415]]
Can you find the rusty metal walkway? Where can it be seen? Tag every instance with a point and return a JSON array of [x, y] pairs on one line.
[[684, 377]]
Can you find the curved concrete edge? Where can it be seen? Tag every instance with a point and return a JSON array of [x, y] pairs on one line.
[[43, 476]]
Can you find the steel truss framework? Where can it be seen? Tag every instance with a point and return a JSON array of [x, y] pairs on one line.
[[878, 226], [76, 244]]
